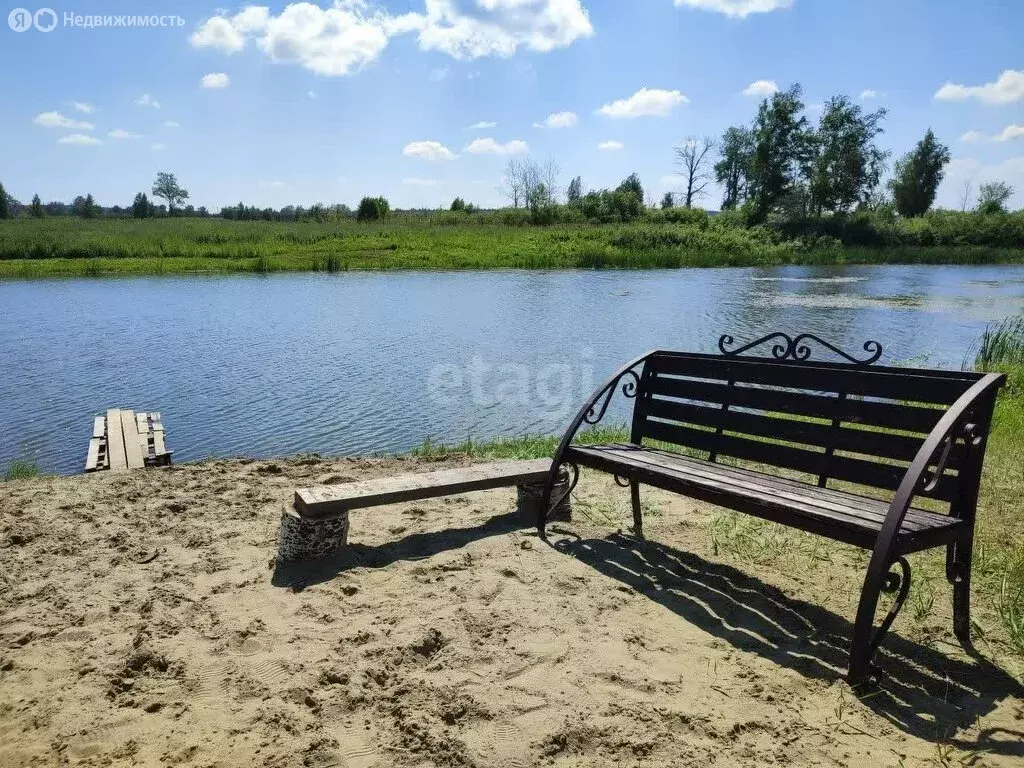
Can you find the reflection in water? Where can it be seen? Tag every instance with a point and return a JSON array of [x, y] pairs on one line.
[[811, 279], [366, 362]]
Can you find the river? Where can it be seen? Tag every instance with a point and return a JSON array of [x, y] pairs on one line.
[[378, 362]]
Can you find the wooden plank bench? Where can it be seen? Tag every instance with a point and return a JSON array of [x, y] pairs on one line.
[[771, 437], [329, 500], [317, 523]]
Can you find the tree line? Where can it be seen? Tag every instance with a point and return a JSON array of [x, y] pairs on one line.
[[780, 164]]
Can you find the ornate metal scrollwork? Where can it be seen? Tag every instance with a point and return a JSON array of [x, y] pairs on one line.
[[898, 584], [622, 482], [629, 390], [971, 438], [788, 347], [574, 479], [930, 483]]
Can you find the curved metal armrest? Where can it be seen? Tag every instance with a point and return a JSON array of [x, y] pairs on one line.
[[597, 405], [954, 424]]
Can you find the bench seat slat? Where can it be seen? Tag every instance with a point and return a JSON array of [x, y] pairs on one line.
[[327, 500], [851, 518], [784, 487]]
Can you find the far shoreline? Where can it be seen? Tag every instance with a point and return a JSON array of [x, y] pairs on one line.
[[666, 260]]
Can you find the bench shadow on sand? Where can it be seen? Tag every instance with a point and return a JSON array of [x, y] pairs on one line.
[[923, 691]]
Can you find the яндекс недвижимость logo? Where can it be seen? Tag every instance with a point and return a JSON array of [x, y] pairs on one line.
[[22, 19], [46, 20]]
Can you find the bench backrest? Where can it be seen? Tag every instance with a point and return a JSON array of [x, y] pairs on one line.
[[833, 421]]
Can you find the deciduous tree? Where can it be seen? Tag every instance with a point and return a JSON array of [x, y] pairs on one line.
[[5, 207], [35, 208], [166, 188], [693, 158], [845, 163], [141, 207], [780, 146], [575, 191], [631, 186], [993, 197], [917, 176], [512, 182], [373, 209], [732, 171]]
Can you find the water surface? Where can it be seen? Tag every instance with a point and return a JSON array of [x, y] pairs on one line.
[[361, 363]]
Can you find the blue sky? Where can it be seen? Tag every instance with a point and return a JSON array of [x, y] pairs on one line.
[[282, 104]]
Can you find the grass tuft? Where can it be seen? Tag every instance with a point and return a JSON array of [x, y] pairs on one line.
[[21, 469]]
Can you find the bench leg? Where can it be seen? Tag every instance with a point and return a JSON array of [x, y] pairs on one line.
[[866, 638], [554, 479], [638, 519], [958, 572]]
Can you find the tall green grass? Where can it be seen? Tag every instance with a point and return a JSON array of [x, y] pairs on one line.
[[1001, 344], [1001, 349], [21, 469], [94, 247]]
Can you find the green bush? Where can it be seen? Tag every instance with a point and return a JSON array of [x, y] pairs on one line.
[[882, 229], [693, 217], [373, 209]]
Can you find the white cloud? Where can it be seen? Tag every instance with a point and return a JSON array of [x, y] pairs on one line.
[[215, 80], [81, 106], [271, 184], [79, 140], [1010, 133], [120, 133], [57, 120], [1006, 90], [428, 150], [439, 74], [670, 182], [145, 100], [761, 88], [611, 146], [311, 94], [489, 146], [471, 30], [867, 94], [172, 124], [349, 34], [158, 147], [647, 102], [334, 41], [414, 182], [482, 125], [737, 8], [559, 120]]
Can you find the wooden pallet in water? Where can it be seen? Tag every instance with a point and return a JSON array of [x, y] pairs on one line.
[[123, 440]]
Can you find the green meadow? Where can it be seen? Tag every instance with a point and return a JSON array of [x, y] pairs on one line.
[[65, 246]]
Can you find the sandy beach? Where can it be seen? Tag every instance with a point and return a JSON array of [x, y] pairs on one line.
[[145, 622]]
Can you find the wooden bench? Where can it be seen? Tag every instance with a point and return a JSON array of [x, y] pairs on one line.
[[328, 500], [317, 523], [774, 436]]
